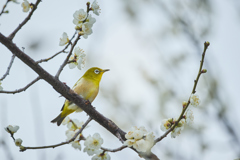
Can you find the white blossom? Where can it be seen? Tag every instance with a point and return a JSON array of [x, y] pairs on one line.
[[11, 129], [189, 117], [177, 130], [129, 142], [165, 124], [139, 139], [26, 6], [71, 133], [90, 151], [86, 29], [149, 140], [136, 133], [129, 135], [194, 100], [139, 133], [94, 142], [101, 156], [76, 145], [18, 142], [79, 16], [96, 8], [66, 120], [78, 59], [74, 124], [145, 145], [91, 20], [64, 40], [139, 145]]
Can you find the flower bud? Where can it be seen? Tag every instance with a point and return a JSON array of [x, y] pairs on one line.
[[78, 28], [11, 129], [184, 104], [207, 43], [18, 142], [204, 71]]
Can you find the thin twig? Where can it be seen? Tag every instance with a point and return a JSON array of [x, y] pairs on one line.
[[69, 54], [62, 51], [43, 147], [9, 67], [114, 150], [80, 131], [47, 59], [206, 44], [73, 45], [4, 6], [11, 36], [59, 144], [21, 89]]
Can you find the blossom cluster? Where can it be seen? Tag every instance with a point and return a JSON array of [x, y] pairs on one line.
[[140, 139], [84, 21], [187, 118], [167, 123], [12, 130], [73, 127], [77, 59], [92, 143], [93, 146]]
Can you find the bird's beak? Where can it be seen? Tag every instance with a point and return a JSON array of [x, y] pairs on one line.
[[105, 70]]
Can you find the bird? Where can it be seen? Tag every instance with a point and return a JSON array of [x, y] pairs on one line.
[[87, 87]]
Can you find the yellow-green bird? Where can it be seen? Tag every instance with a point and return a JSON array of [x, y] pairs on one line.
[[87, 87]]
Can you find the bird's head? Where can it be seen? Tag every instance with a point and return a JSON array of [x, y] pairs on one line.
[[94, 73]]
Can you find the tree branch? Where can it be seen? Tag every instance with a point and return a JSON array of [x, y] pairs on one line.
[[12, 35], [9, 67], [59, 144], [21, 89], [67, 58], [62, 51], [114, 150], [4, 6], [206, 44]]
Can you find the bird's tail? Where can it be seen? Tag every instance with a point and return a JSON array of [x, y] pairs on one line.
[[58, 119]]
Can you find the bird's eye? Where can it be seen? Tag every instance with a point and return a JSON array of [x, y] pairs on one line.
[[96, 71]]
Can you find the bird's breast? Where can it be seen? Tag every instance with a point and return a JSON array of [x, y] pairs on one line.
[[87, 89]]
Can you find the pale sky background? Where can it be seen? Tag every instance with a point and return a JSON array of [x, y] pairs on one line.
[[133, 50]]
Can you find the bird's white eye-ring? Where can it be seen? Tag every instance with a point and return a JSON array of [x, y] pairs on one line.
[[96, 71]]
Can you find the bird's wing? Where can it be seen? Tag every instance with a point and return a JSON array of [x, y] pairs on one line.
[[76, 83], [66, 102]]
